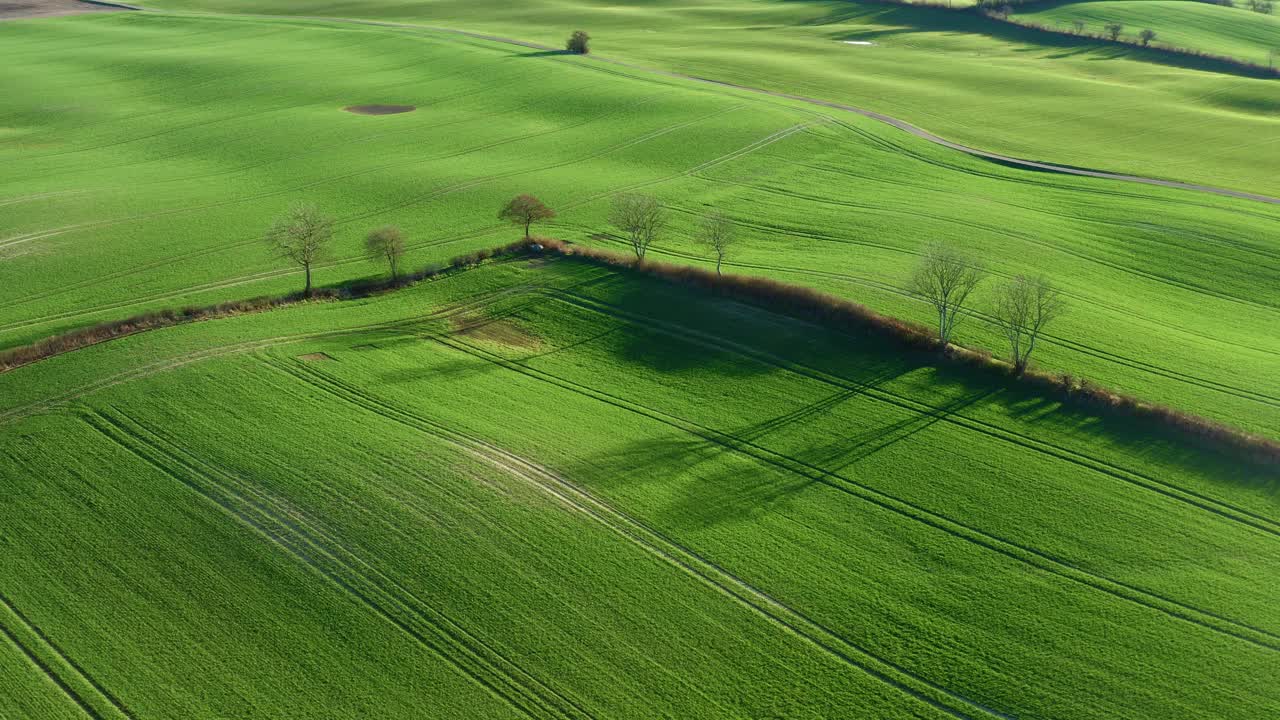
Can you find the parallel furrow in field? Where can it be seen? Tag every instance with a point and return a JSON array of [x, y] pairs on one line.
[[376, 591], [653, 542], [717, 343], [1030, 556], [813, 472], [87, 693]]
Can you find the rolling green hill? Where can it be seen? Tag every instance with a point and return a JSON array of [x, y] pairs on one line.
[[965, 77], [143, 157], [1216, 29], [549, 489]]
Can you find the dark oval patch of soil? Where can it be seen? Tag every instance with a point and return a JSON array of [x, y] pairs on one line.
[[379, 109]]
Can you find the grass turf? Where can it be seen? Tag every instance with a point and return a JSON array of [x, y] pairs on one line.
[[1216, 29], [144, 155], [965, 77], [556, 488]]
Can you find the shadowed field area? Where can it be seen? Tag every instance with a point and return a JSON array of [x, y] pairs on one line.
[[668, 505]]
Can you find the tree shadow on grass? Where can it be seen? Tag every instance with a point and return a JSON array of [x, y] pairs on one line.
[[543, 53]]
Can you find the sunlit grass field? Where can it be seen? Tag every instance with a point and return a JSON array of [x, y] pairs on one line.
[[549, 489], [965, 77], [144, 156], [1234, 32]]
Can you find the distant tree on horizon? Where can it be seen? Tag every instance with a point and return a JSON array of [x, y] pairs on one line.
[[1114, 30], [945, 278], [302, 236], [525, 210], [1147, 35], [579, 43], [386, 243]]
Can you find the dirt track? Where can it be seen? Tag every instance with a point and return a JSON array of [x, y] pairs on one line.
[[900, 124]]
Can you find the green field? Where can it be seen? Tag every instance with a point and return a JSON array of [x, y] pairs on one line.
[[970, 79], [545, 488], [145, 155], [1216, 29], [550, 487]]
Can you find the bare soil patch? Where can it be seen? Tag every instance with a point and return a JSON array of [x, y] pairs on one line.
[[18, 9], [503, 332], [379, 109], [315, 357]]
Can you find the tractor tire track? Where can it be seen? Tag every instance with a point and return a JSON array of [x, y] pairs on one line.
[[1252, 519], [378, 593], [651, 541], [88, 694], [1029, 556]]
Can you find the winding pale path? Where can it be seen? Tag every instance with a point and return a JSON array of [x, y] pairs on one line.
[[895, 122]]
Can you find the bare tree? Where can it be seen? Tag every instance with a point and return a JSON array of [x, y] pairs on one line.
[[1114, 30], [386, 244], [641, 218], [1147, 35], [1078, 25], [1023, 307], [301, 236], [718, 233], [579, 42], [945, 278], [525, 210]]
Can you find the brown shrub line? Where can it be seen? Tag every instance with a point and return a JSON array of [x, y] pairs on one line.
[[1232, 62], [851, 317], [992, 9], [92, 335]]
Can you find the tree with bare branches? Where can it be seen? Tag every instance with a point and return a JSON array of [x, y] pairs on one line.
[[386, 244], [1023, 307], [1113, 30], [718, 233], [1146, 36], [525, 210], [302, 236], [641, 218], [945, 278]]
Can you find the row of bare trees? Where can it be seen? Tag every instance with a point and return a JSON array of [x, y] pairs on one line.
[[640, 219], [303, 234], [945, 277], [1021, 308]]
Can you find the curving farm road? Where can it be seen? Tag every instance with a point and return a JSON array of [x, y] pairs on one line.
[[895, 122]]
